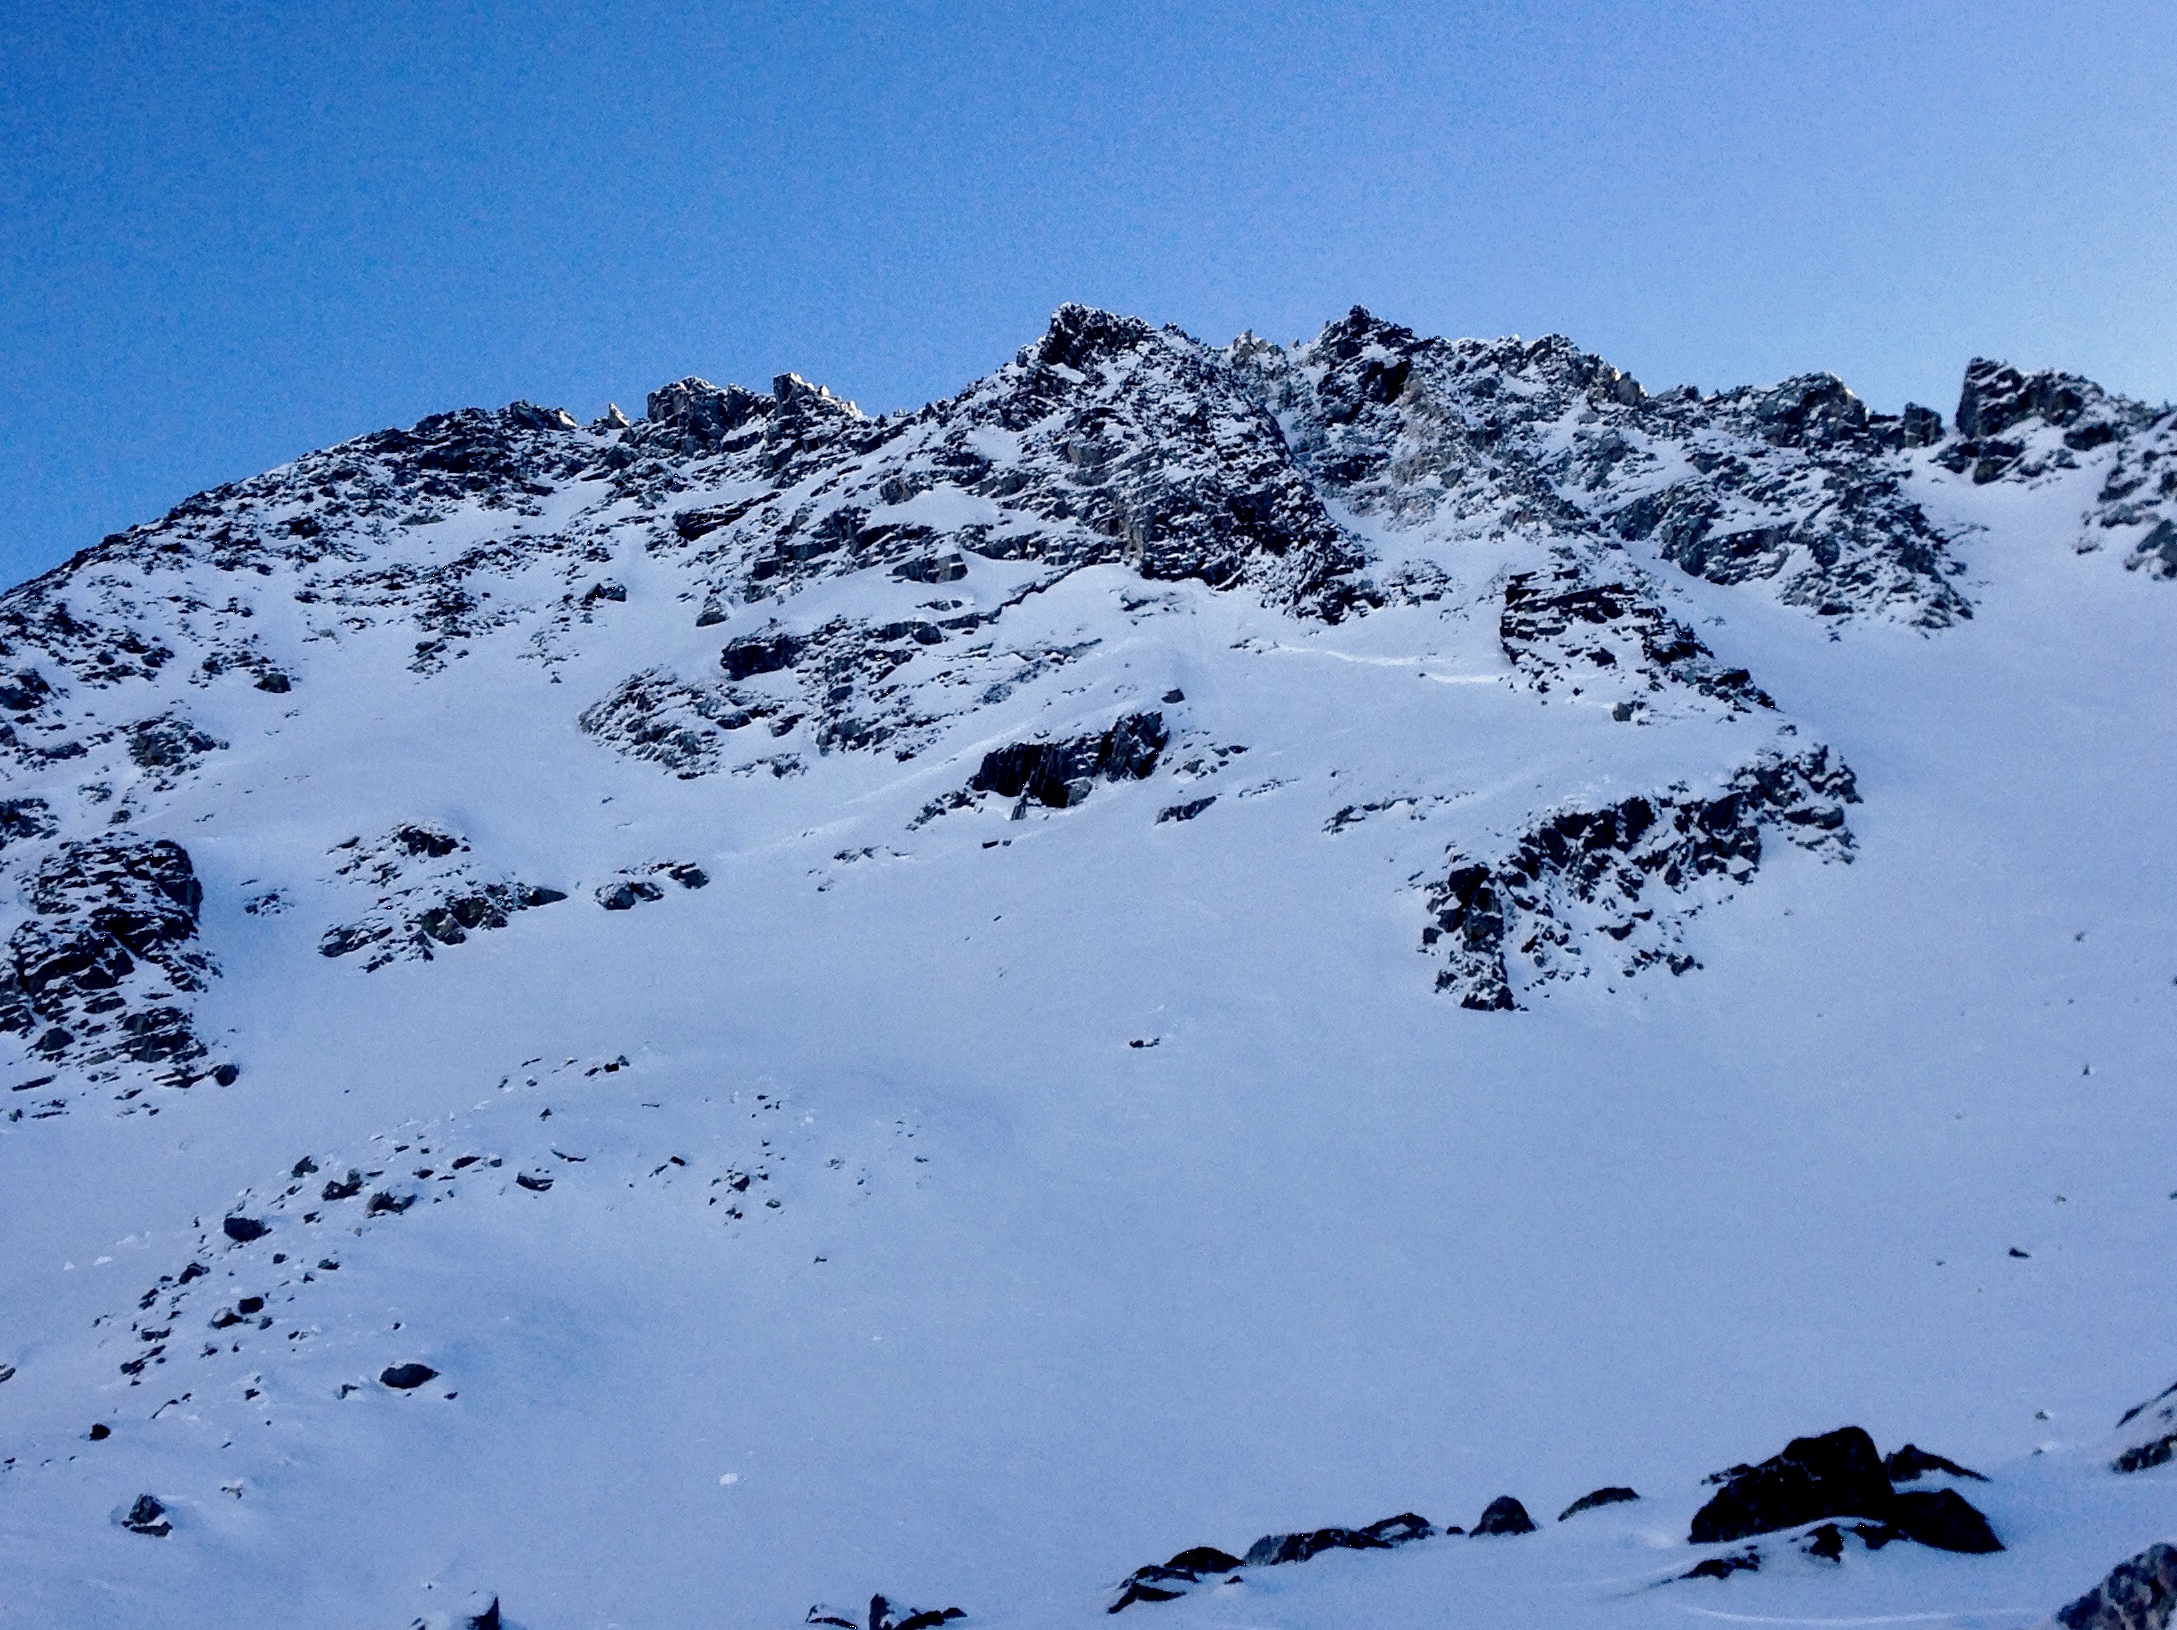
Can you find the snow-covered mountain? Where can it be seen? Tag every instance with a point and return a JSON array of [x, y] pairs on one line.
[[665, 1020]]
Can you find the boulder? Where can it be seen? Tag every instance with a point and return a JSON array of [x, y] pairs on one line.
[[1402, 1529], [1274, 1549], [1943, 1519], [1838, 1474], [148, 1516], [406, 1377], [1505, 1515], [1601, 1497], [2138, 1595]]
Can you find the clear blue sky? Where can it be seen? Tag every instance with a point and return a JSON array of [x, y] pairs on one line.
[[230, 233]]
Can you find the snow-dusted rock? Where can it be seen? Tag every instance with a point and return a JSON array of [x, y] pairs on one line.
[[2140, 1594]]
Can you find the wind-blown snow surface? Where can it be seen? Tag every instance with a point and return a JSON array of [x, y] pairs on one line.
[[971, 1198]]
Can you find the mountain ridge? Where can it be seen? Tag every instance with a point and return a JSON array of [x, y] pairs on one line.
[[1246, 813]]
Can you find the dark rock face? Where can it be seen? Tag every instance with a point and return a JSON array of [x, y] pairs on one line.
[[1059, 774], [1836, 1475], [148, 1516], [2138, 1595], [1081, 336], [242, 1230], [885, 1615], [102, 967], [1997, 396], [1504, 1515], [1590, 875], [1601, 1497], [406, 1377]]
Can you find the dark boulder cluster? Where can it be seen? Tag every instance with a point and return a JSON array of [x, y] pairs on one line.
[[98, 975], [885, 1615], [1839, 1474], [1167, 1581], [1611, 874]]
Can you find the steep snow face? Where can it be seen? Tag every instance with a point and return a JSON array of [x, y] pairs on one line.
[[675, 1018]]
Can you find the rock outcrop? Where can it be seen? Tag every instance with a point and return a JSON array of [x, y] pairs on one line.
[[102, 973], [1838, 1474], [1612, 888], [2140, 1594], [2149, 1431]]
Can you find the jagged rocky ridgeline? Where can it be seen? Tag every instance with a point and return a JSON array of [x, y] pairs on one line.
[[874, 583]]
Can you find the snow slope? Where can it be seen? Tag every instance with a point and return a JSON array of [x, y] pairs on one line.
[[1360, 1051]]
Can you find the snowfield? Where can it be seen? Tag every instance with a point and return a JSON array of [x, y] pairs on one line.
[[954, 1005]]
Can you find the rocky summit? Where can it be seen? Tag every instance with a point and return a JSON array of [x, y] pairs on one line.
[[670, 1019]]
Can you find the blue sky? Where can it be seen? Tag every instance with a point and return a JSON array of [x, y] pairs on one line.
[[229, 235]]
